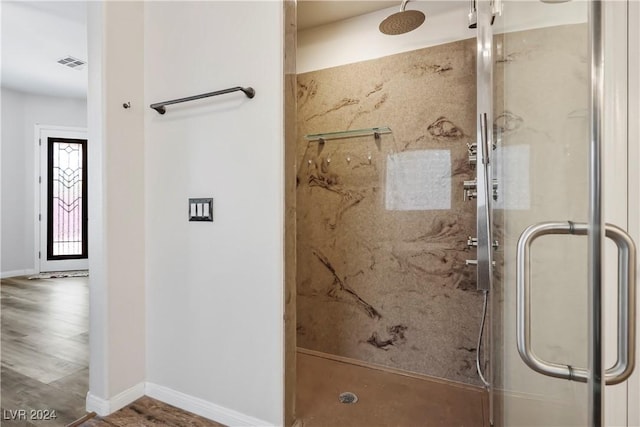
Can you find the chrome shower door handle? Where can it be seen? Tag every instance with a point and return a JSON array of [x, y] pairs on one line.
[[625, 362], [523, 300]]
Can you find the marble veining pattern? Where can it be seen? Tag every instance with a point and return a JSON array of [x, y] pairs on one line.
[[387, 286]]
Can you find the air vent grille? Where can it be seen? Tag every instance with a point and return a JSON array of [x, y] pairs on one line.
[[71, 62]]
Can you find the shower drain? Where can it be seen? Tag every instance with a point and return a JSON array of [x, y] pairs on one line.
[[348, 397]]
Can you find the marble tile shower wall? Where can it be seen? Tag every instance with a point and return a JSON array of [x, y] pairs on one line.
[[382, 226]]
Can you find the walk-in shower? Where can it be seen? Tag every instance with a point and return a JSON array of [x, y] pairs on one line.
[[417, 171], [384, 292]]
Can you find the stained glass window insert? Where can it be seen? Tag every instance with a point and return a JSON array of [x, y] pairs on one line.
[[67, 199]]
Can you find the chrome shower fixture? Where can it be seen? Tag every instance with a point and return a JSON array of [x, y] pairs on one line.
[[470, 189], [473, 153], [473, 14], [402, 22], [496, 9]]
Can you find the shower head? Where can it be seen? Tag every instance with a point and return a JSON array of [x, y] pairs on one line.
[[402, 22]]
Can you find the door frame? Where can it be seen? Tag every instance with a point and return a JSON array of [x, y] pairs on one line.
[[633, 159], [619, 407], [40, 182]]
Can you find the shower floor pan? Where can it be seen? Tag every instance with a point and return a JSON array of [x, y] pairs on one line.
[[383, 398]]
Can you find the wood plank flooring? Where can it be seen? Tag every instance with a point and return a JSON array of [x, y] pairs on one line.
[[384, 398], [150, 412], [44, 353]]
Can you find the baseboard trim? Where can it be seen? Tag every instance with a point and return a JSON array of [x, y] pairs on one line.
[[201, 407], [104, 407], [17, 273], [98, 405]]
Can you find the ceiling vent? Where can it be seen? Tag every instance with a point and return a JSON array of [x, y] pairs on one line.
[[71, 62]]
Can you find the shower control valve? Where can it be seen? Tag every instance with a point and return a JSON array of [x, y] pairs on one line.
[[473, 242], [473, 153], [475, 262], [470, 189]]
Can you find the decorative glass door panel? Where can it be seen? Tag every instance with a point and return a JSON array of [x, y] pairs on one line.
[[67, 199], [63, 219]]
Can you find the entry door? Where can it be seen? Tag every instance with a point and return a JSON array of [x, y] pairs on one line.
[[549, 363], [63, 199]]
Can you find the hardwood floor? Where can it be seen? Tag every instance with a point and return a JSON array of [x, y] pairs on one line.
[[150, 412], [44, 350], [44, 357], [384, 398]]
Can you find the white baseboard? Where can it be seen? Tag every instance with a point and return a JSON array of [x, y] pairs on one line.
[[201, 407], [15, 273], [226, 416], [104, 407], [98, 405]]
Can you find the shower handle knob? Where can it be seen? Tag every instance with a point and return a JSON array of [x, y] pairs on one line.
[[470, 190], [473, 242], [475, 262]]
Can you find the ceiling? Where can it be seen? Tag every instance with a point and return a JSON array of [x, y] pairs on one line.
[[35, 35], [313, 13]]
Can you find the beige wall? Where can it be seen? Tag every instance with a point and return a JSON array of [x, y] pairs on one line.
[[381, 279]]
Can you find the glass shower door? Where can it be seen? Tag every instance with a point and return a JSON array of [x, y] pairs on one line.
[[544, 221]]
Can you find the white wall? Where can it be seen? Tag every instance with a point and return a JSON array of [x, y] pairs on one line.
[[116, 205], [214, 290], [20, 113], [358, 39]]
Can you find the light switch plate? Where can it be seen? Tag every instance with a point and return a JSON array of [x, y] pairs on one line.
[[201, 210]]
